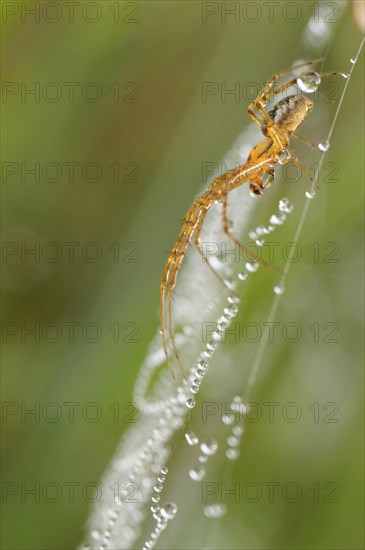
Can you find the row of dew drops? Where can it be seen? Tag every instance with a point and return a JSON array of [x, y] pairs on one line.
[[162, 514], [308, 82]]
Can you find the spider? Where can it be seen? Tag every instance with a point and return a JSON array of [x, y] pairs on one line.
[[277, 125]]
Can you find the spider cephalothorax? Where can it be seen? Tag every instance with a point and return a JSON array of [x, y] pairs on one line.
[[290, 112]]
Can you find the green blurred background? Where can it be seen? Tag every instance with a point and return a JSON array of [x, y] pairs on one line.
[[158, 132]]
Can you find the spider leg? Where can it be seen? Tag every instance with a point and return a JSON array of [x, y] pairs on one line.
[[184, 243], [304, 171], [302, 139], [197, 243], [165, 283], [243, 247]]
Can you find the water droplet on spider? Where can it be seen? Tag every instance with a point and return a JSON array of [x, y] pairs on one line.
[[267, 180], [197, 473], [169, 510], [311, 193], [252, 266], [324, 146], [190, 403], [309, 81], [209, 447], [279, 289], [243, 275], [284, 157], [215, 511], [232, 454]]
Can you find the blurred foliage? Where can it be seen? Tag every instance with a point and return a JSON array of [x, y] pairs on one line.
[[167, 53]]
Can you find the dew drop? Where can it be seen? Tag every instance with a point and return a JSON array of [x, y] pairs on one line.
[[194, 389], [161, 479], [191, 438], [345, 75], [324, 146], [202, 364], [155, 498], [242, 276], [190, 403], [197, 473], [158, 488], [203, 459], [237, 431], [209, 447], [285, 206], [252, 235], [353, 60], [267, 179], [234, 299], [169, 510], [311, 193], [155, 508], [260, 242], [95, 534], [278, 218], [232, 454], [211, 346], [284, 157], [279, 289], [199, 373], [215, 511], [309, 81], [231, 310], [228, 418], [164, 471], [252, 266], [233, 441], [229, 283]]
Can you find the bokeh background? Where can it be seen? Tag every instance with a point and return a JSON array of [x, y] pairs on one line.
[[137, 149]]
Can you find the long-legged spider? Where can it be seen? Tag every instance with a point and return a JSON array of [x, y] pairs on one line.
[[278, 125]]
